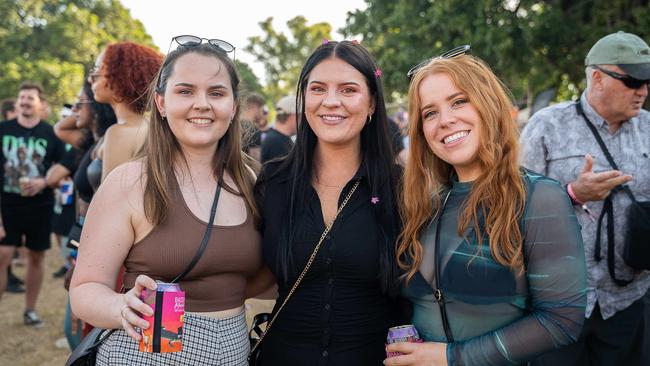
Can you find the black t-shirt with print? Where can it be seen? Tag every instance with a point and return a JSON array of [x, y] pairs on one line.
[[27, 152]]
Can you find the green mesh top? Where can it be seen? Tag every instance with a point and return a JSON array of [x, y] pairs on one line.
[[496, 316]]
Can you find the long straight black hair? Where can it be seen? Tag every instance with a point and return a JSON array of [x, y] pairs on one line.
[[377, 156]]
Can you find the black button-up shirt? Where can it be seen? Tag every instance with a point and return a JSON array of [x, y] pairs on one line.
[[338, 315]]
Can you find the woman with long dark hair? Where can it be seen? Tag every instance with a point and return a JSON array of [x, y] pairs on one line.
[[493, 254], [84, 130], [339, 314]]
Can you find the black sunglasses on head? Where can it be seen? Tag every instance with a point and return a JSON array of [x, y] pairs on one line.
[[454, 52], [193, 41], [627, 80]]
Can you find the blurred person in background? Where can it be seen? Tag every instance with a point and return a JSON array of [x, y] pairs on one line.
[[84, 130], [254, 123], [29, 148], [278, 139], [121, 77], [8, 109]]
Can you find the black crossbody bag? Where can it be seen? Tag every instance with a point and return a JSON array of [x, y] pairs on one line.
[[636, 252], [85, 354]]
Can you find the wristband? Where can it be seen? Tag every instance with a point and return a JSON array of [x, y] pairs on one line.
[[572, 195]]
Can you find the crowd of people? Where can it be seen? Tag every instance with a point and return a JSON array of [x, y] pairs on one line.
[[500, 246]]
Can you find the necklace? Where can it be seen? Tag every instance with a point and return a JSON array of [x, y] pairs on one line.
[[328, 185]]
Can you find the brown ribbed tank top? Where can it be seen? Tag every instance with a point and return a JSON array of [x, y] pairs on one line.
[[218, 281]]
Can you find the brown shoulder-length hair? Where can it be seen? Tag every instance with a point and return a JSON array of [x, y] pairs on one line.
[[498, 194], [162, 152]]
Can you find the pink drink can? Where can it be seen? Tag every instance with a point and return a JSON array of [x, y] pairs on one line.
[[166, 324], [402, 333]]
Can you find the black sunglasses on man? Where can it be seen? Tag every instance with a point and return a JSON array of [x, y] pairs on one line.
[[629, 81]]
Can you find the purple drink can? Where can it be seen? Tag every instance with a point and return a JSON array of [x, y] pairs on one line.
[[402, 333]]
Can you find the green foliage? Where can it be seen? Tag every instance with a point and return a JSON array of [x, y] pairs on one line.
[[53, 42], [283, 56], [248, 80], [531, 44]]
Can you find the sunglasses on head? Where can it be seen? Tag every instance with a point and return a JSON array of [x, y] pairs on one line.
[[627, 80], [193, 41], [454, 52]]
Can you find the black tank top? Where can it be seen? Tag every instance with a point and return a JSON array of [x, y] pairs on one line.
[[84, 188]]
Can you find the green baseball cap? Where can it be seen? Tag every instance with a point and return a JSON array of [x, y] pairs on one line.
[[625, 50]]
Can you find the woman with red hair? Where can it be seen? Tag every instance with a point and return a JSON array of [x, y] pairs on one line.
[[121, 78], [493, 254]]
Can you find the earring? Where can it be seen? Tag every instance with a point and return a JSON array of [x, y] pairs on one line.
[[369, 118]]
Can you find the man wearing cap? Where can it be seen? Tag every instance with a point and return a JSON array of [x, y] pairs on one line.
[[558, 142], [277, 142]]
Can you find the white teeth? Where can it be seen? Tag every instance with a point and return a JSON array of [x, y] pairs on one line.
[[455, 137], [332, 118], [200, 121]]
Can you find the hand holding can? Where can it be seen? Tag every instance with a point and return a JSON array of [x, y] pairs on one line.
[[22, 183], [166, 330], [402, 333]]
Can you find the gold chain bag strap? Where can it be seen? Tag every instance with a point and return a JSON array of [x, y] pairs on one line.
[[304, 271]]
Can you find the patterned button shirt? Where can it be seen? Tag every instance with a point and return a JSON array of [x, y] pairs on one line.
[[554, 143]]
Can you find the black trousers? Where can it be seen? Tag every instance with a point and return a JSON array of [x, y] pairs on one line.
[[616, 341]]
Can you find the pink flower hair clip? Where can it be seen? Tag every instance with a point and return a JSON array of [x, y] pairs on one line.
[[355, 42], [378, 73], [374, 200], [326, 41]]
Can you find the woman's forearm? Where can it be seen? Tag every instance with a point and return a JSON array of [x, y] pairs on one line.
[[97, 304]]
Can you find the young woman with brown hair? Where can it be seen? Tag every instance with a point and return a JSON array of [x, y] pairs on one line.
[[151, 215], [493, 253]]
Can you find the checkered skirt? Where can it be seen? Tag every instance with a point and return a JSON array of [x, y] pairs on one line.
[[206, 341]]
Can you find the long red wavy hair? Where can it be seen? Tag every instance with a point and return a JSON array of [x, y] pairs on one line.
[[498, 194]]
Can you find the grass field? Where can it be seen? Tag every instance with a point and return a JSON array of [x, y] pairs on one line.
[[21, 345]]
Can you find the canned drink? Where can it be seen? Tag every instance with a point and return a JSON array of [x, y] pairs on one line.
[[67, 192], [22, 182], [402, 333], [166, 324]]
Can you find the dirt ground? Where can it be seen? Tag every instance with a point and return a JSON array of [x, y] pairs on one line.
[[21, 345]]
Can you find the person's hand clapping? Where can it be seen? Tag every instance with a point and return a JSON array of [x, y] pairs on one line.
[[591, 186], [132, 307]]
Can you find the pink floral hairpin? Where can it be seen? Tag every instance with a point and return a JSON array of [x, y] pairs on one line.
[[374, 200], [326, 41], [377, 72], [355, 42]]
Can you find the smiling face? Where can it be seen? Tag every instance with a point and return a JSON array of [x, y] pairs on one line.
[[29, 103], [451, 125], [337, 102], [198, 101]]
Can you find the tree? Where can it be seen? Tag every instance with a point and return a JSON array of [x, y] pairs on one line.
[[249, 82], [283, 56], [531, 44], [53, 42]]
